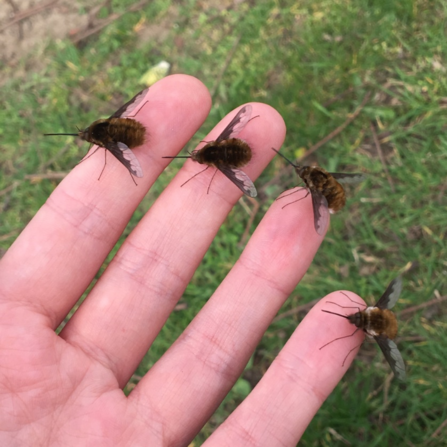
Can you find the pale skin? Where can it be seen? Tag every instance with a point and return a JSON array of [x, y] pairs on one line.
[[66, 390]]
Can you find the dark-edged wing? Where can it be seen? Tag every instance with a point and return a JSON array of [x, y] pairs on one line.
[[391, 294], [321, 211], [346, 178], [240, 179], [392, 355], [126, 157], [127, 109], [237, 124]]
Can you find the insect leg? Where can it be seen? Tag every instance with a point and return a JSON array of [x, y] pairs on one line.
[[340, 338], [308, 192], [88, 156], [132, 116], [105, 162], [360, 304], [257, 116], [289, 194], [136, 184], [209, 186], [353, 349], [195, 175], [343, 307]]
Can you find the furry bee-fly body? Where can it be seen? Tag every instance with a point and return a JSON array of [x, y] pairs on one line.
[[317, 179], [228, 154], [380, 323], [233, 152], [325, 189], [118, 134]]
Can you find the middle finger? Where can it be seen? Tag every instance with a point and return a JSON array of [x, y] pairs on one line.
[[132, 300]]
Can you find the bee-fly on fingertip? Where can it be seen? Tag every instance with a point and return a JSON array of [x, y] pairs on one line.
[[118, 134], [228, 154], [380, 323], [325, 189]]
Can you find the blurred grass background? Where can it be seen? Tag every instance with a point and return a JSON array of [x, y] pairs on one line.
[[314, 61]]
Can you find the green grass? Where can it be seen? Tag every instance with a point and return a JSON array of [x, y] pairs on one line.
[[295, 57]]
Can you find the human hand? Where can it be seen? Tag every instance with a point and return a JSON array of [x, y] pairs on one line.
[[66, 389]]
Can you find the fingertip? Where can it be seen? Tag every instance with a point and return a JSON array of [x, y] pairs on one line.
[[298, 382], [267, 131], [277, 123], [290, 231], [179, 106], [338, 340], [185, 84], [325, 344]]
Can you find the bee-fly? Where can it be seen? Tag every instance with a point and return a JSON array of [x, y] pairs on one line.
[[118, 134], [228, 154], [325, 190], [380, 323]]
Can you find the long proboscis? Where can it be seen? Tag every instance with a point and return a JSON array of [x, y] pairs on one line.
[[334, 313], [285, 158], [179, 156], [69, 134]]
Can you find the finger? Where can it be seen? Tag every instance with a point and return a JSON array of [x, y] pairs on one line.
[[297, 383], [150, 272], [55, 258], [197, 372]]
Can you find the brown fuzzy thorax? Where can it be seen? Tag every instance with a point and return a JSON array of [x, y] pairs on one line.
[[233, 153], [126, 130], [375, 321], [317, 179]]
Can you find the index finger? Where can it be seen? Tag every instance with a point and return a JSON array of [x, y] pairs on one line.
[[55, 258]]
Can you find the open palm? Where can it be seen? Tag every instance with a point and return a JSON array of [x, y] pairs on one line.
[[66, 389]]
